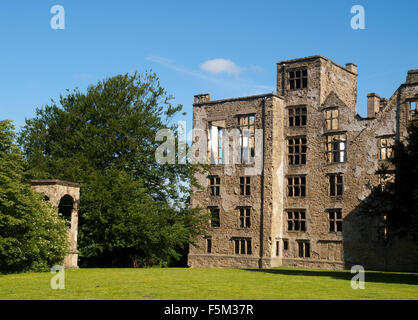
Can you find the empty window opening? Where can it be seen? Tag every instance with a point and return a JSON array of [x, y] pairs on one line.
[[215, 143], [285, 244], [214, 217], [298, 79], [277, 248], [304, 249], [243, 246], [297, 116], [336, 185], [335, 220], [245, 186], [296, 220], [65, 207], [244, 217], [413, 108], [386, 180], [331, 119], [386, 148], [383, 228], [296, 186], [336, 148], [297, 150], [246, 126], [208, 245], [214, 185]]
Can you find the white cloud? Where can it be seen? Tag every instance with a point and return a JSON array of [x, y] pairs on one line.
[[238, 85], [217, 66]]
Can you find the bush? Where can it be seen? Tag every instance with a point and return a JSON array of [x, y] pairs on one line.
[[32, 235]]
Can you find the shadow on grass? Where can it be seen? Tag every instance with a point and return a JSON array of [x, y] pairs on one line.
[[370, 276]]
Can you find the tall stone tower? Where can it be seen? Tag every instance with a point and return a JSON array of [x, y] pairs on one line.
[[65, 196]]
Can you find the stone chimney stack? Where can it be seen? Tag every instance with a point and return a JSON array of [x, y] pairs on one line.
[[202, 98], [373, 104], [412, 76], [351, 67]]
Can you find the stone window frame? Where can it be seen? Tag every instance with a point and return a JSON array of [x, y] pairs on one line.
[[277, 248], [330, 149], [214, 185], [331, 118], [292, 154], [291, 188], [304, 249], [211, 209], [297, 78], [335, 219], [244, 217], [385, 146], [296, 217], [242, 246], [412, 108], [286, 244], [245, 156], [385, 178], [245, 186], [297, 113], [337, 186], [218, 160], [209, 245], [66, 207]]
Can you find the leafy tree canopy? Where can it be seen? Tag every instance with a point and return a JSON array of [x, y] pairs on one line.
[[32, 235], [397, 199], [133, 211], [404, 216]]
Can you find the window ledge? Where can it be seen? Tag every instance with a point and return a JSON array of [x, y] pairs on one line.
[[334, 163]]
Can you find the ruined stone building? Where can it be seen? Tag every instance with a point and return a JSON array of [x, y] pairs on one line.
[[319, 158], [65, 196]]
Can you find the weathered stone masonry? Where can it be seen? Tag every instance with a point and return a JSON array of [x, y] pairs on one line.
[[313, 141], [65, 196]]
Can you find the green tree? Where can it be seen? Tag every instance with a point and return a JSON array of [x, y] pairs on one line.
[[403, 219], [32, 235], [133, 211], [397, 200]]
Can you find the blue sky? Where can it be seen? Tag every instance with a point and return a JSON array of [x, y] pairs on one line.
[[176, 38]]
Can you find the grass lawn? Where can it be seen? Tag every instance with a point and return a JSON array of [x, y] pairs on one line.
[[179, 283]]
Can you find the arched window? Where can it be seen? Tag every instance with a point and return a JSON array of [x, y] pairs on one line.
[[66, 206]]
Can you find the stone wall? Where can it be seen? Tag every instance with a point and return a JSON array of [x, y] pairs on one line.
[[230, 199], [329, 86]]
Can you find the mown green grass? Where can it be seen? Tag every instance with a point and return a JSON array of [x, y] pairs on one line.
[[184, 284]]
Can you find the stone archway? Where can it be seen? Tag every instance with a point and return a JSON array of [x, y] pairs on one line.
[[66, 207]]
